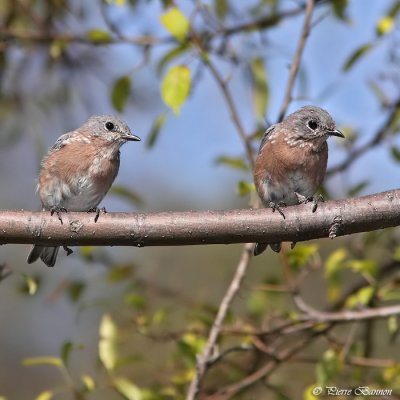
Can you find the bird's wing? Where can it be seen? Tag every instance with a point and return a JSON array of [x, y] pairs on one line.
[[61, 141], [266, 136]]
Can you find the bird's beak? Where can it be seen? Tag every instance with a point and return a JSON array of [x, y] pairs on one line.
[[336, 132], [131, 137]]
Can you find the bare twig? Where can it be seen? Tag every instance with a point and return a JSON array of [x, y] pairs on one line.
[[206, 355], [232, 109], [377, 139], [297, 58], [310, 313]]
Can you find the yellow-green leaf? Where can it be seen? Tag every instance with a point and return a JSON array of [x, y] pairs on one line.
[[126, 194], [384, 25], [47, 395], [107, 342], [175, 87], [116, 2], [339, 8], [89, 383], [176, 23], [244, 188], [360, 298], [31, 285], [312, 392], [27, 362], [97, 36], [356, 56], [233, 162], [120, 93], [221, 8], [128, 389], [259, 87], [335, 261]]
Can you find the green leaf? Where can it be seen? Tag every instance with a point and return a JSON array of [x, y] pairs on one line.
[[155, 129], [97, 36], [335, 262], [189, 346], [368, 268], [30, 285], [120, 93], [385, 25], [135, 300], [395, 153], [176, 23], [301, 255], [107, 343], [126, 194], [309, 391], [396, 254], [75, 290], [119, 273], [221, 8], [393, 324], [339, 8], [360, 298], [118, 3], [328, 368], [87, 251], [355, 190], [66, 350], [379, 93], [361, 51], [175, 87], [56, 361], [244, 188], [259, 87], [46, 395], [233, 162], [128, 389], [89, 383]]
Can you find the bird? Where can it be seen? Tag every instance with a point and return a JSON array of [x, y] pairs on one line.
[[78, 171], [291, 161]]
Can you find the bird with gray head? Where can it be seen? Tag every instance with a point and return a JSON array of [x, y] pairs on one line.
[[78, 171], [292, 160]]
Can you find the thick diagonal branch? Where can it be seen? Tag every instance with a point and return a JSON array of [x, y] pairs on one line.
[[333, 218]]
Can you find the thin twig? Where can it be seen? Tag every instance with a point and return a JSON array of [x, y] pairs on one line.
[[297, 58], [232, 109], [204, 358]]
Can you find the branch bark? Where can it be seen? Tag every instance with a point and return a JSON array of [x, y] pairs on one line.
[[333, 218]]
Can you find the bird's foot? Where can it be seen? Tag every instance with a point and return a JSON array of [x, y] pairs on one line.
[[312, 199], [58, 210], [97, 211], [278, 207], [68, 250]]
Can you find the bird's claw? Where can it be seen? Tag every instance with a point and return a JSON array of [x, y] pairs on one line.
[[97, 211], [312, 199], [278, 207], [68, 250], [58, 210]]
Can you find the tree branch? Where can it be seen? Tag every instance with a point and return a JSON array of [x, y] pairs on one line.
[[333, 218]]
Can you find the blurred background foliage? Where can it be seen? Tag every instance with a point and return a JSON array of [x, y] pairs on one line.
[[110, 323]]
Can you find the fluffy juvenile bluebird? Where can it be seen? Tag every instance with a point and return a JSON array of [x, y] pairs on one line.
[[78, 171], [291, 161]]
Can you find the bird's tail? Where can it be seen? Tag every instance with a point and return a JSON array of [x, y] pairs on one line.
[[47, 254], [260, 247]]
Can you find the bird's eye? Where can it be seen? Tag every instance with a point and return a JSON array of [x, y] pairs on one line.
[[312, 125], [109, 126]]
